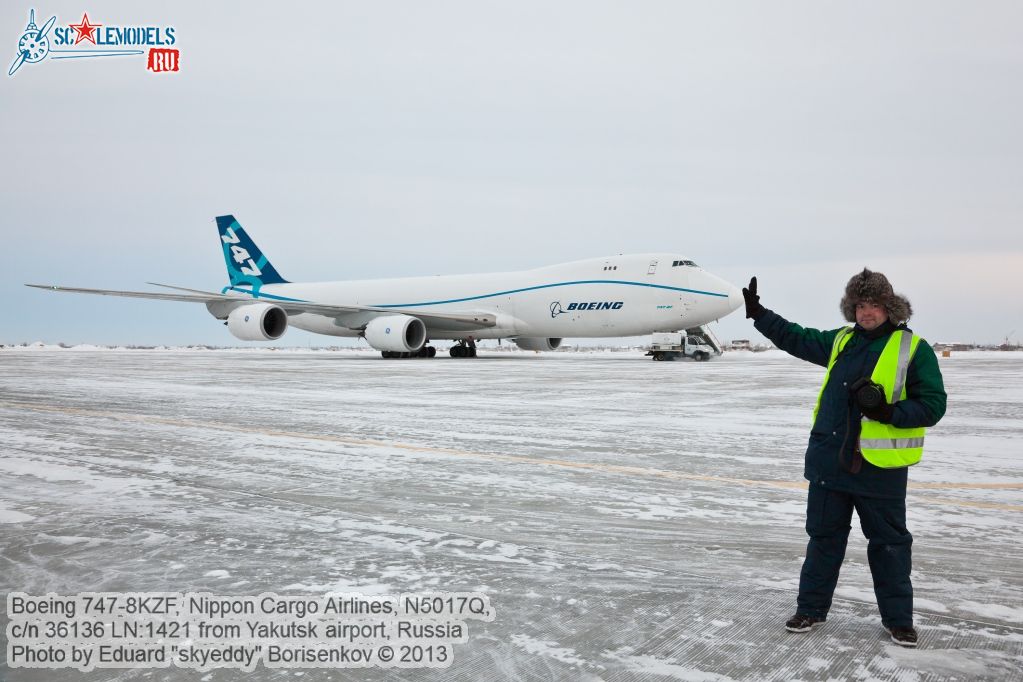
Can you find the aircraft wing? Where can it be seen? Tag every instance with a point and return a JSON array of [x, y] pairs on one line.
[[350, 316], [198, 297]]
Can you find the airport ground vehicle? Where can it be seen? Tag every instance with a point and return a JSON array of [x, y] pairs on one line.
[[675, 345]]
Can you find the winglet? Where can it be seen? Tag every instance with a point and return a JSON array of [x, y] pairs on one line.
[[246, 264]]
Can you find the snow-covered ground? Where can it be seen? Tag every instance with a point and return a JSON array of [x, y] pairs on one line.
[[629, 519]]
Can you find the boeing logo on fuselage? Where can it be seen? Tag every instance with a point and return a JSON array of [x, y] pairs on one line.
[[556, 308]]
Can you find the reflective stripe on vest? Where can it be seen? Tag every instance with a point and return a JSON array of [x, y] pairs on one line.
[[884, 445], [844, 334]]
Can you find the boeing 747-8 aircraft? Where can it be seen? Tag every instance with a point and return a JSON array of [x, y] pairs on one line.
[[629, 295]]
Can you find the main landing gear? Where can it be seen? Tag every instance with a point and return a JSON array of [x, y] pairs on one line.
[[464, 349], [424, 352]]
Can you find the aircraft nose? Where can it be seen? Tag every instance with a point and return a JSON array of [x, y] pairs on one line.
[[735, 298]]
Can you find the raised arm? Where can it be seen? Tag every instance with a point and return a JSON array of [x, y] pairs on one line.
[[812, 345]]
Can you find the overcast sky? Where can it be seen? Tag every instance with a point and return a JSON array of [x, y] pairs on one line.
[[798, 141]]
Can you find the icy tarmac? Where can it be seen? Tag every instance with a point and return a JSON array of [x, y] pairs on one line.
[[630, 520]]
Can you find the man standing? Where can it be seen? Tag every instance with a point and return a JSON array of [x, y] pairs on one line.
[[881, 389]]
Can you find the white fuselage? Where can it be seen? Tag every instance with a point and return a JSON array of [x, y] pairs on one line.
[[628, 295]]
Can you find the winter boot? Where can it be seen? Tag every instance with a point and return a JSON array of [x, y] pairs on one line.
[[802, 622], [903, 636]]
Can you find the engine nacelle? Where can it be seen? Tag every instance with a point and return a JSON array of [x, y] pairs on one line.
[[401, 333], [257, 322], [534, 343]]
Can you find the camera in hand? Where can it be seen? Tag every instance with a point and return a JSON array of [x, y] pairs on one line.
[[867, 393]]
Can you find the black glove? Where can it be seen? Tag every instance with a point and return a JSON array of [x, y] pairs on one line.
[[881, 413], [753, 307]]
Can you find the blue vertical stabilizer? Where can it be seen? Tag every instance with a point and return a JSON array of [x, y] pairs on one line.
[[246, 264]]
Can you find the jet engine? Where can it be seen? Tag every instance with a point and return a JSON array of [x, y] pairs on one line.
[[257, 322], [534, 343], [401, 333]]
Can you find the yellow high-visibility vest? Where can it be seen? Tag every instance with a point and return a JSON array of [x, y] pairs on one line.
[[884, 445]]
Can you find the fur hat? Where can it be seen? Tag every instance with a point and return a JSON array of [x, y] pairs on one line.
[[875, 287]]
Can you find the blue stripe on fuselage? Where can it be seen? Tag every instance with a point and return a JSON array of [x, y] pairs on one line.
[[548, 286], [263, 294]]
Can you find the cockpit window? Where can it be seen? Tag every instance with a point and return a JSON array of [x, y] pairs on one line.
[[688, 263]]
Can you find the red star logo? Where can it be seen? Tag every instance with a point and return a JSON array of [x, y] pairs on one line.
[[85, 30]]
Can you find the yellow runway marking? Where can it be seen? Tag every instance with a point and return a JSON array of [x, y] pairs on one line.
[[519, 459], [970, 503]]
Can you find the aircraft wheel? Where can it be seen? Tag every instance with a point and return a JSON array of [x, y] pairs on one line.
[[456, 351], [431, 352]]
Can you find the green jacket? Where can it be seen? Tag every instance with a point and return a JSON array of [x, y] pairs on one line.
[[834, 434]]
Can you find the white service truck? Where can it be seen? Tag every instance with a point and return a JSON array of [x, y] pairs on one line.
[[673, 345]]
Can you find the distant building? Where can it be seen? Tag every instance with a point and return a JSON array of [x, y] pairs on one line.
[[940, 346], [740, 344]]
